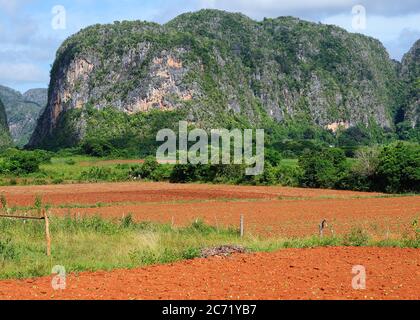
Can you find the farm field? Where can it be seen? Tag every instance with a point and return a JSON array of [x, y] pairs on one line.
[[272, 211], [147, 259], [320, 273]]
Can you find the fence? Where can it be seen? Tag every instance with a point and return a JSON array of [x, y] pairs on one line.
[[47, 226]]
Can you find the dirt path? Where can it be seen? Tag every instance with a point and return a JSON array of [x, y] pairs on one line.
[[322, 273]]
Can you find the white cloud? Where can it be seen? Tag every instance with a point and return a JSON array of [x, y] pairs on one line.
[[397, 33], [28, 43], [274, 8], [311, 8], [12, 7], [22, 72]]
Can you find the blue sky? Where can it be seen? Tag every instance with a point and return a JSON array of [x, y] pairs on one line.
[[28, 41]]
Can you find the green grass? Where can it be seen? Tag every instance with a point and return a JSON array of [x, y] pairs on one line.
[[80, 169], [92, 243], [290, 162], [71, 170]]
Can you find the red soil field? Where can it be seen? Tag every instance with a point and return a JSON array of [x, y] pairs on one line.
[[321, 273], [285, 218], [157, 192], [268, 211]]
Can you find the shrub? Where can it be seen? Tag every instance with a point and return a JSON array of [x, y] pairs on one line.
[[20, 162], [146, 170], [96, 174], [7, 250], [57, 181], [221, 173], [127, 222], [267, 178], [183, 173], [399, 168], [162, 173], [43, 155], [97, 147], [357, 237], [323, 169], [353, 137], [273, 157], [360, 177], [70, 162], [288, 175]]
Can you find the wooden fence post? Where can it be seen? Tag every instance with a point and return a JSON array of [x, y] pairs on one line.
[[47, 232], [242, 226], [322, 226]]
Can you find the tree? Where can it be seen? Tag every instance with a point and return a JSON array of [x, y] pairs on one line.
[[399, 168], [146, 170], [323, 169]]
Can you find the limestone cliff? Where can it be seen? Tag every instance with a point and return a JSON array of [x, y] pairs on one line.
[[217, 66]]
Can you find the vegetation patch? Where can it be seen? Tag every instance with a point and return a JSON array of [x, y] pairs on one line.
[[93, 243]]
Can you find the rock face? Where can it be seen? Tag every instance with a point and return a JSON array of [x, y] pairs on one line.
[[219, 65], [38, 96], [5, 140], [410, 73], [23, 111]]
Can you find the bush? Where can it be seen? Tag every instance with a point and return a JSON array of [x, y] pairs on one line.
[[97, 147], [360, 177], [273, 157], [354, 136], [146, 170], [267, 178], [323, 169], [357, 237], [7, 250], [288, 175], [20, 162], [162, 173], [43, 155], [183, 173], [70, 162], [221, 173], [96, 174], [398, 168]]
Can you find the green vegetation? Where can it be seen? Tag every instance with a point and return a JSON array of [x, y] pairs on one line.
[[286, 75], [19, 162], [91, 243], [323, 169], [394, 168], [111, 133], [398, 168]]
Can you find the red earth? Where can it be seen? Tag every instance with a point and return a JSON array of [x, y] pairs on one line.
[[268, 211], [321, 273], [158, 192]]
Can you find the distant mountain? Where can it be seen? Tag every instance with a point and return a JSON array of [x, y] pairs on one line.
[[38, 96], [23, 111], [5, 139]]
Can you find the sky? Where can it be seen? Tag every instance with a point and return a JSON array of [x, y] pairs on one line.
[[32, 30]]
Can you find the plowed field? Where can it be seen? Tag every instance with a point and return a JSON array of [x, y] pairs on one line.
[[268, 211], [322, 273]]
